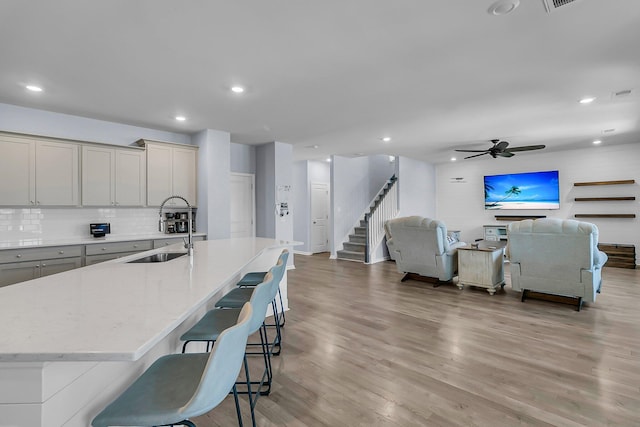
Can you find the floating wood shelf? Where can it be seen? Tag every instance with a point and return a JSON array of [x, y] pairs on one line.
[[624, 181], [602, 199], [517, 217], [605, 215]]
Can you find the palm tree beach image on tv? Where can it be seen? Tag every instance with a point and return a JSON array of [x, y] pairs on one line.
[[530, 190]]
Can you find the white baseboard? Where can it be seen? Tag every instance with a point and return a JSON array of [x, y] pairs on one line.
[[377, 260], [302, 253]]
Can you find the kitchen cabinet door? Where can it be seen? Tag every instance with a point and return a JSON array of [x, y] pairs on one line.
[[112, 177], [98, 170], [159, 173], [57, 174], [17, 171], [18, 272], [184, 174], [171, 171], [130, 178], [53, 266]]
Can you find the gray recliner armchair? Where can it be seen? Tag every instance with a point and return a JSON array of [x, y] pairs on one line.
[[555, 256], [421, 246]]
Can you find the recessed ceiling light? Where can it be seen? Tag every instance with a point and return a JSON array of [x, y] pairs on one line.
[[503, 7], [453, 159], [392, 158], [237, 89], [328, 159], [597, 141], [181, 118], [33, 88], [587, 100], [386, 139]]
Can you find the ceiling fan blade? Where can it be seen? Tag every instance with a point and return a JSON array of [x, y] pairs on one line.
[[476, 155], [527, 148], [506, 154], [501, 146], [472, 151]]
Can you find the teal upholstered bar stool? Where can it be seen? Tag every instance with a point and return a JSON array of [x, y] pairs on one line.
[[254, 278], [236, 297], [177, 387], [214, 321]]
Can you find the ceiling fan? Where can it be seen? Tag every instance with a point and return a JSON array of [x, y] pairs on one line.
[[500, 148]]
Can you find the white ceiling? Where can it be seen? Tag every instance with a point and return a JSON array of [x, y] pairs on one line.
[[339, 74]]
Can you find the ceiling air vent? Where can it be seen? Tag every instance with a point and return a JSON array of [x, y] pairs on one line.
[[621, 93], [551, 5]]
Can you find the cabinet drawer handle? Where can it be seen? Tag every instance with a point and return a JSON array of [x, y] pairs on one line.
[[135, 246], [19, 256], [38, 266], [104, 249], [61, 252], [44, 265]]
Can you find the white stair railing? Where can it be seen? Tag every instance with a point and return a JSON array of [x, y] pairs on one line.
[[384, 209]]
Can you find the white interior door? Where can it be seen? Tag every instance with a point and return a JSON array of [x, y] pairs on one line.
[[319, 217], [243, 205]]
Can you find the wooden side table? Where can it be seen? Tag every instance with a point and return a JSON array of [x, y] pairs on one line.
[[481, 267]]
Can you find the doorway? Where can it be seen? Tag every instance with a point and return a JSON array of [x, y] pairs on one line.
[[243, 211], [319, 217]]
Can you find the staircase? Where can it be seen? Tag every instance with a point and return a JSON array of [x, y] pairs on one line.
[[355, 248], [369, 232]]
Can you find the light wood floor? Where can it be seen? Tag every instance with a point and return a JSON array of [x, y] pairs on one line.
[[363, 349]]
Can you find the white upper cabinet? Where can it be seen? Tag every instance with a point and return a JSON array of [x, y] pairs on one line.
[[112, 176], [17, 171], [130, 181], [171, 171], [38, 172], [184, 173]]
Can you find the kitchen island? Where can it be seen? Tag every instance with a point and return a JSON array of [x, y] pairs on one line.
[[72, 341]]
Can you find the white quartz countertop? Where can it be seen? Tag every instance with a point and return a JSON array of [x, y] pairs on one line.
[[117, 310], [87, 240]]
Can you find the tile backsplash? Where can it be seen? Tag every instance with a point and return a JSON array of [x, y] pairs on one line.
[[63, 223]]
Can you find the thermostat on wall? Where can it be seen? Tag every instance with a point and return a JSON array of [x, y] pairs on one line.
[[100, 229]]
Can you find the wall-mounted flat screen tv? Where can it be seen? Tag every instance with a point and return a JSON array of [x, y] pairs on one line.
[[529, 190]]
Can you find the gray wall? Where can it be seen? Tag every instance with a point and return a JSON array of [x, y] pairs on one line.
[[301, 206], [416, 187], [265, 191], [243, 158], [46, 123], [214, 196], [305, 173]]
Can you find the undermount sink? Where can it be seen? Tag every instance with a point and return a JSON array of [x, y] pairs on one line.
[[161, 257]]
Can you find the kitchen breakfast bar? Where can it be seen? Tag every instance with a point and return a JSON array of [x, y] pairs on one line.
[[71, 342]]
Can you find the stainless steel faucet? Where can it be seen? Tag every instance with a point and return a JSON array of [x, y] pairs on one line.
[[189, 243]]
